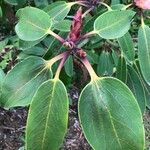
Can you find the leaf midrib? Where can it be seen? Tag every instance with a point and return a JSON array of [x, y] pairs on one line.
[[146, 43], [111, 26], [110, 116], [26, 84], [48, 114]]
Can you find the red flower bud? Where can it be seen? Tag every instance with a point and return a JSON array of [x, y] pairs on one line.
[[75, 31], [80, 53]]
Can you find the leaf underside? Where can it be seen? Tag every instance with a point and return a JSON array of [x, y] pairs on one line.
[[110, 116]]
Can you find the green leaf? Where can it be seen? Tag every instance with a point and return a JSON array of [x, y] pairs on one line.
[[23, 45], [69, 66], [93, 57], [63, 25], [36, 51], [3, 44], [127, 47], [59, 11], [41, 3], [53, 45], [2, 75], [15, 2], [53, 5], [105, 64], [114, 2], [135, 84], [23, 80], [121, 72], [118, 7], [144, 51], [113, 24], [145, 85], [1, 13], [48, 117], [115, 57], [12, 2], [147, 93], [33, 24], [110, 116]]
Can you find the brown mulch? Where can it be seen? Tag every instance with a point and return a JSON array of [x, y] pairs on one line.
[[12, 127]]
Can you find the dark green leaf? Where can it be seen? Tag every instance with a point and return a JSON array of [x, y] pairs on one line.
[[121, 72], [105, 64], [41, 3], [69, 66], [144, 51], [127, 47], [136, 86]]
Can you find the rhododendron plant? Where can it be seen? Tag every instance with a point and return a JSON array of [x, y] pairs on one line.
[[85, 41]]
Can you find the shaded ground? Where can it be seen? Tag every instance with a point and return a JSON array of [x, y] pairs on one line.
[[12, 127]]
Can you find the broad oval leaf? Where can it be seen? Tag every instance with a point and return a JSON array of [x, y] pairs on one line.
[[59, 10], [144, 51], [110, 116], [48, 117], [127, 47], [33, 24], [22, 81], [113, 24], [135, 84]]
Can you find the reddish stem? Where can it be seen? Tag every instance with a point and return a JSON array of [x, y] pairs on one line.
[[89, 34], [89, 68], [56, 58], [88, 11], [66, 55], [56, 36]]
